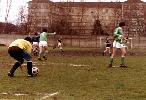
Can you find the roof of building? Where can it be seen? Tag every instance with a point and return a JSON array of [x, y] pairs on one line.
[[90, 4], [134, 1], [40, 1]]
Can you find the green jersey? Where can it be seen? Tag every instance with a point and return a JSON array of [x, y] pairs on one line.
[[44, 36], [117, 34]]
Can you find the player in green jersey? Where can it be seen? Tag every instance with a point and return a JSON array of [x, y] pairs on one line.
[[118, 43], [43, 44]]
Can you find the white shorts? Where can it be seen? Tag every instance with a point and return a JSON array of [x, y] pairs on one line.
[[35, 43], [118, 45], [59, 46], [43, 43]]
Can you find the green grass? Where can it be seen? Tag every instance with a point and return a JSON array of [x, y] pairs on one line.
[[75, 78]]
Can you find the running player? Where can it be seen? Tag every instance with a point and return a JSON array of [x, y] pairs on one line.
[[35, 44], [59, 45], [108, 46], [43, 44], [118, 44]]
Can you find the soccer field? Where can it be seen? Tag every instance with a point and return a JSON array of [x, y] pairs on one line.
[[80, 75]]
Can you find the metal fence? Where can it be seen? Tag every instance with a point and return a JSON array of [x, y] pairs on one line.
[[91, 41], [94, 41]]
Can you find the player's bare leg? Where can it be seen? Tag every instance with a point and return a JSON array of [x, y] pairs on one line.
[[40, 52], [105, 51], [123, 51], [45, 52], [112, 56]]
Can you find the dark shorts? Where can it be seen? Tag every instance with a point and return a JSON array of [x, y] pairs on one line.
[[18, 54], [108, 45]]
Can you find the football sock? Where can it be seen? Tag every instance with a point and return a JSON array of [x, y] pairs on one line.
[[111, 60], [45, 54], [61, 50], [15, 66], [29, 67], [40, 52], [122, 60]]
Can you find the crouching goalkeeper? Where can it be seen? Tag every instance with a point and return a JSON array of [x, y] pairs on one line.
[[20, 50]]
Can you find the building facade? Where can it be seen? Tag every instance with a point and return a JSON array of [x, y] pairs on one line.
[[87, 18]]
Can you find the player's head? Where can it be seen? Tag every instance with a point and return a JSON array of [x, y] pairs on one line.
[[44, 30], [59, 40], [122, 24], [28, 39], [107, 38]]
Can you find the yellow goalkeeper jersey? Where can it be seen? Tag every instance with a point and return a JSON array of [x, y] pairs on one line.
[[23, 44]]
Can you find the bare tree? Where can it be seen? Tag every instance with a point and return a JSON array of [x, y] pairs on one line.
[[21, 21], [28, 23], [32, 23], [8, 7]]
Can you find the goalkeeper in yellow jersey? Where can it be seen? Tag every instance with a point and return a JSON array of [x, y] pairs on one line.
[[20, 50]]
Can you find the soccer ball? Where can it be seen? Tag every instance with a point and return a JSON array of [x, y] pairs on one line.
[[35, 71]]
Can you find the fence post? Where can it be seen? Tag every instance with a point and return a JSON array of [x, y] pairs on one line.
[[131, 45], [100, 41]]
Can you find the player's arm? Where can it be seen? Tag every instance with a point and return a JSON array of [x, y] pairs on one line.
[[52, 33]]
